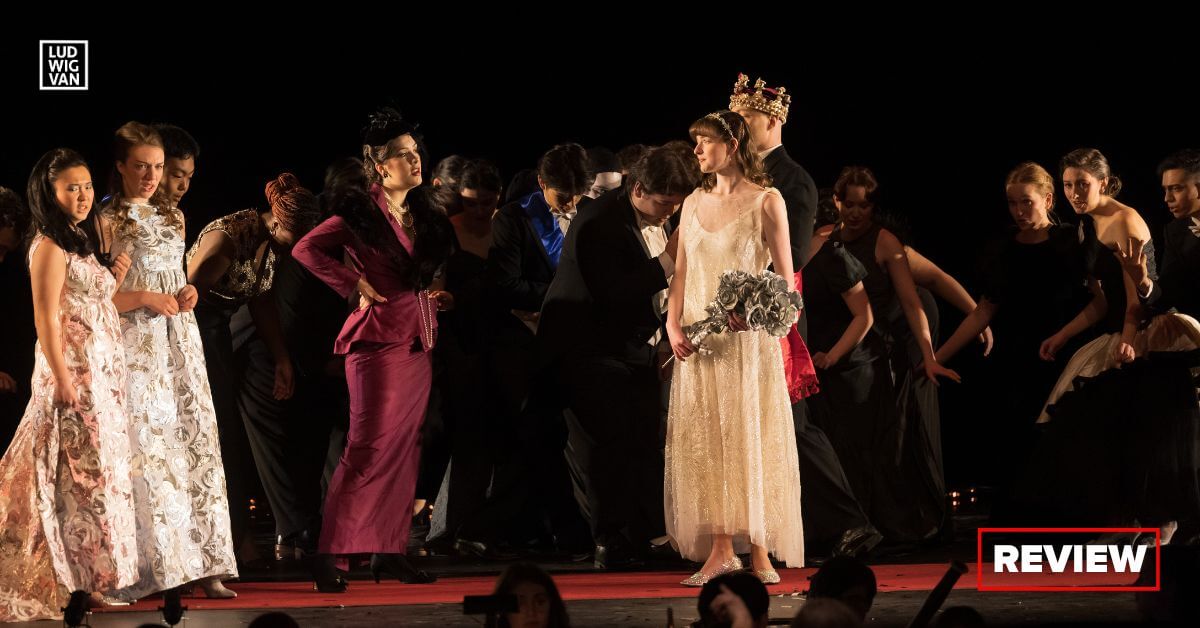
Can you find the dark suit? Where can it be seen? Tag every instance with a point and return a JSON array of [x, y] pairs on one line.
[[800, 194], [828, 503], [530, 434], [1178, 284], [296, 443], [519, 271], [596, 324]]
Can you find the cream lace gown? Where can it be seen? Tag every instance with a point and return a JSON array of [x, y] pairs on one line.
[[731, 463], [179, 481]]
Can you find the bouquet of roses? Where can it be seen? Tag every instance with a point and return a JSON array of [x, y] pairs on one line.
[[763, 300]]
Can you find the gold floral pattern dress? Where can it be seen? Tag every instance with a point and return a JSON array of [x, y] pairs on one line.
[[66, 511], [179, 480]]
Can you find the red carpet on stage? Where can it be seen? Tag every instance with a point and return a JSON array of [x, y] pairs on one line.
[[573, 586]]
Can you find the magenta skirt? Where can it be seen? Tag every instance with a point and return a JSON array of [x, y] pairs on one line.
[[368, 508]]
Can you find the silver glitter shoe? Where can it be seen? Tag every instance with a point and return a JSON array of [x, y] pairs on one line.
[[700, 578], [768, 576]]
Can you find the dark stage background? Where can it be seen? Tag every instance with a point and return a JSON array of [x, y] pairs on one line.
[[941, 118]]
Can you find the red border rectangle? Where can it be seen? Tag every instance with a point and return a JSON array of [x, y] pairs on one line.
[[979, 559]]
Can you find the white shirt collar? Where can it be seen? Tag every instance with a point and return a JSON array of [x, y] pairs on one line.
[[763, 154]]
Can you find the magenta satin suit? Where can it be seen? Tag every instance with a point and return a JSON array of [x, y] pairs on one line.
[[388, 369]]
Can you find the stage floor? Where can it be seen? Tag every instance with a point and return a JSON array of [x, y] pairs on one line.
[[611, 599], [596, 598]]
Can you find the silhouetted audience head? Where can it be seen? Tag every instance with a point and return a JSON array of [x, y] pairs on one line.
[[538, 602], [743, 584], [958, 617], [274, 619], [1178, 600], [825, 613], [848, 580]]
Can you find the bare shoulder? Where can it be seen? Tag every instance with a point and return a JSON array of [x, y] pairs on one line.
[[1130, 221], [44, 252], [773, 203]]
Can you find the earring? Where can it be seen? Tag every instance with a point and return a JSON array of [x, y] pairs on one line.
[[385, 174]]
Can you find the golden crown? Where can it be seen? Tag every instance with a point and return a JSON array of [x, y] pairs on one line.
[[773, 101]]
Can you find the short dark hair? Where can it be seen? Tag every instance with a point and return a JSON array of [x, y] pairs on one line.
[[480, 174], [12, 211], [564, 168], [664, 171], [600, 159], [627, 156], [177, 143], [1187, 160]]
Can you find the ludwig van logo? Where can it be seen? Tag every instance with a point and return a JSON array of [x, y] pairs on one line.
[[63, 65], [1068, 559]]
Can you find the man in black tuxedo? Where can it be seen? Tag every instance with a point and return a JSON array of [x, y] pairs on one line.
[[833, 519], [1178, 284], [600, 327], [766, 110], [527, 241]]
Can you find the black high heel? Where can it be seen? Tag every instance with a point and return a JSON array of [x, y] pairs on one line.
[[398, 565], [325, 576]]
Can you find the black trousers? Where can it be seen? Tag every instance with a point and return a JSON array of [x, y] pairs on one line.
[[615, 445], [295, 442], [530, 491], [437, 432], [828, 504], [470, 421]]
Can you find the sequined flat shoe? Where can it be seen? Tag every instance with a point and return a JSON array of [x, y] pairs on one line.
[[767, 576], [700, 578]]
